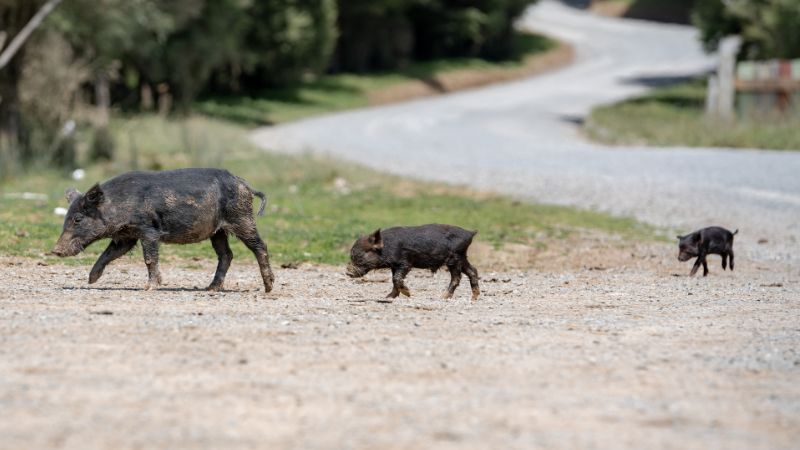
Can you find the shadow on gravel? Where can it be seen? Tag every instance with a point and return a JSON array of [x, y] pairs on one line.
[[658, 81], [135, 289], [580, 4], [575, 120]]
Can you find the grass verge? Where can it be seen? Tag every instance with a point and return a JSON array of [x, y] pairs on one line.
[[347, 91], [317, 206], [674, 116]]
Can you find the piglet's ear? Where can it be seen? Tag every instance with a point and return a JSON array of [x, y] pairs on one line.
[[94, 196], [72, 194], [376, 240]]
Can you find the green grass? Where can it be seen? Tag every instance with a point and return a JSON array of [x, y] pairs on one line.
[[339, 92], [674, 116], [317, 206]]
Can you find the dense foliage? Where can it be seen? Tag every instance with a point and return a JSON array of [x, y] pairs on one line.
[[769, 28], [388, 34], [162, 54]]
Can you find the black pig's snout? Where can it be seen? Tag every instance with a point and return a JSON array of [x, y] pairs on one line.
[[353, 272]]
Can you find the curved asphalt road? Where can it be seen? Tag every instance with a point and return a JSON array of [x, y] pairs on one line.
[[521, 139]]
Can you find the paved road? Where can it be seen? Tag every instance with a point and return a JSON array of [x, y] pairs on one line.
[[521, 139]]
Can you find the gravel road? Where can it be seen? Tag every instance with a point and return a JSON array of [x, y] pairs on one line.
[[521, 139], [628, 357]]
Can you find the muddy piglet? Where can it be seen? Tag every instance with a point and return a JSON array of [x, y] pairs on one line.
[[423, 247], [701, 243], [175, 207]]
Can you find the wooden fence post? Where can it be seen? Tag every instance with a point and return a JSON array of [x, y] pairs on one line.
[[726, 76]]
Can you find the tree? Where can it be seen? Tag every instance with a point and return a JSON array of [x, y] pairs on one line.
[[121, 37], [769, 28], [18, 18], [386, 34], [287, 40]]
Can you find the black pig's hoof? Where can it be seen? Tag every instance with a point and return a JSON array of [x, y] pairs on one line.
[[476, 293], [215, 288], [447, 295], [93, 277], [404, 290]]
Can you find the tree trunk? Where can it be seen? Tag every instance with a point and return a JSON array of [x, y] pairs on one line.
[[10, 118], [102, 98], [19, 19]]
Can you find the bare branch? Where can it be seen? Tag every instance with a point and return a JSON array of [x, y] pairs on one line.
[[26, 31]]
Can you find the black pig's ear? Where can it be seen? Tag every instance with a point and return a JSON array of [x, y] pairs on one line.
[[72, 194], [375, 240], [94, 196], [679, 237]]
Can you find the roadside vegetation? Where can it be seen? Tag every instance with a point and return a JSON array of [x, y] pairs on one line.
[[674, 116], [674, 11], [316, 208], [249, 61], [336, 92]]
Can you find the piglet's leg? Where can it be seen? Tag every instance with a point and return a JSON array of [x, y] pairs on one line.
[[472, 274], [455, 280], [150, 250], [398, 283], [696, 266]]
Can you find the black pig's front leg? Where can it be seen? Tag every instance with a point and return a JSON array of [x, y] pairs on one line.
[[112, 252], [398, 283], [150, 250], [696, 266]]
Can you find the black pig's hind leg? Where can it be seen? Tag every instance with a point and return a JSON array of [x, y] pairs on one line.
[[112, 252], [248, 233], [150, 250], [724, 261], [455, 280], [224, 256], [472, 273]]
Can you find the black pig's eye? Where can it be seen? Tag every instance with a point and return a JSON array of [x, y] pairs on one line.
[[77, 218]]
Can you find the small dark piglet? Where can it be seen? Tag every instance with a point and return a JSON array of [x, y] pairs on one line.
[[423, 247], [177, 207], [701, 243]]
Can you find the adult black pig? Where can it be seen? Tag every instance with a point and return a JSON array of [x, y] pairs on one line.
[[176, 207], [423, 247]]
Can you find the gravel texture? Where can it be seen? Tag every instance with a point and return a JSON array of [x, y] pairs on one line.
[[631, 355], [521, 139]]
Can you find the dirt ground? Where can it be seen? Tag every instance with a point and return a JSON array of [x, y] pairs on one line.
[[629, 354]]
